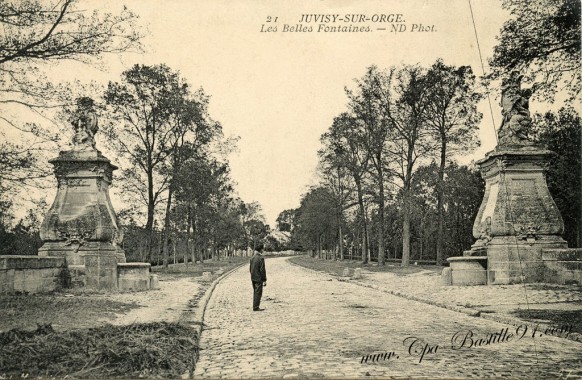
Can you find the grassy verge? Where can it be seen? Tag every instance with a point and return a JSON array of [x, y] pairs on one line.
[[554, 318], [58, 334], [79, 308], [337, 267], [195, 270], [176, 271], [29, 311], [135, 351]]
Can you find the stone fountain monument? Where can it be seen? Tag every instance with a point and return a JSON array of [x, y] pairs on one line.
[[81, 226], [518, 226], [80, 232]]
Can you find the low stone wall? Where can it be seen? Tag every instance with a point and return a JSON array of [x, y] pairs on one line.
[[555, 266], [29, 274], [563, 266], [466, 270], [134, 276], [36, 274]]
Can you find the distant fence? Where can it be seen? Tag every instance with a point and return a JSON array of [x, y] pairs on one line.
[[284, 253], [357, 256]]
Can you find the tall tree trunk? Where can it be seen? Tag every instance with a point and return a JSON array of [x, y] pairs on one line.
[[340, 216], [341, 242], [149, 231], [406, 232], [194, 240], [365, 224], [407, 207], [159, 253], [369, 251], [188, 219], [174, 249], [151, 209], [381, 254], [395, 247], [440, 202], [422, 226], [166, 235]]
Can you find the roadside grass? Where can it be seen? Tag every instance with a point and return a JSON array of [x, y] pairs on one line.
[[162, 350], [57, 309], [181, 270], [337, 267], [554, 318], [79, 308], [61, 334]]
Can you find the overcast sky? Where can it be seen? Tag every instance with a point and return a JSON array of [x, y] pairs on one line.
[[279, 91]]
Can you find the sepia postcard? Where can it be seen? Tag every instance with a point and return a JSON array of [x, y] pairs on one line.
[[290, 189]]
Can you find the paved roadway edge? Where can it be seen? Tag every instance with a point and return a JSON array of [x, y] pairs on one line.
[[460, 309], [196, 318]]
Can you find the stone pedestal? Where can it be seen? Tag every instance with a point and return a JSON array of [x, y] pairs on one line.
[[133, 276], [81, 225], [518, 217], [467, 270]]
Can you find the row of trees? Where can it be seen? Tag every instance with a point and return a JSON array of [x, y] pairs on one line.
[[174, 174], [177, 166], [317, 224], [329, 211], [396, 120], [386, 163]]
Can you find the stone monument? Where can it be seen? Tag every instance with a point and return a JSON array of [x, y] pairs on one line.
[[81, 225], [518, 218]]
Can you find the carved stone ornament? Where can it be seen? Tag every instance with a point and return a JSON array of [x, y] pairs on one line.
[[75, 236], [484, 233], [527, 232]]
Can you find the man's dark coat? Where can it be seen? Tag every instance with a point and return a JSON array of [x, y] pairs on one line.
[[258, 272]]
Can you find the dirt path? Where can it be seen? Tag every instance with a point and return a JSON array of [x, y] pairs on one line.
[[164, 304], [180, 288]]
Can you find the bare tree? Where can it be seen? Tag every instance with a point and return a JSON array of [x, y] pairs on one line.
[[34, 34]]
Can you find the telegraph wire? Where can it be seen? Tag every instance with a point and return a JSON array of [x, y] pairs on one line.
[[507, 201], [483, 71]]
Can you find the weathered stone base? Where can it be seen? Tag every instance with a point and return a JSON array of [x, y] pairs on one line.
[[536, 262], [30, 274], [133, 276], [468, 270], [75, 254], [514, 261], [95, 263], [563, 266], [35, 274]]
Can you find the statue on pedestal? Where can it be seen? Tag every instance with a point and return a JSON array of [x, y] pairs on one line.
[[81, 225], [515, 111], [84, 121]]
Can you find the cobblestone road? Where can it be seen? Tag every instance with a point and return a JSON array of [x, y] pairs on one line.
[[315, 326]]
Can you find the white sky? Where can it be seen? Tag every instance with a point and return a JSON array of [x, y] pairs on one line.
[[280, 91]]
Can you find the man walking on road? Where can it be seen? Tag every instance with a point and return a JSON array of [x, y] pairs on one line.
[[258, 276]]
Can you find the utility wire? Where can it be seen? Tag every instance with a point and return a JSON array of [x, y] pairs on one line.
[[507, 201], [483, 71]]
